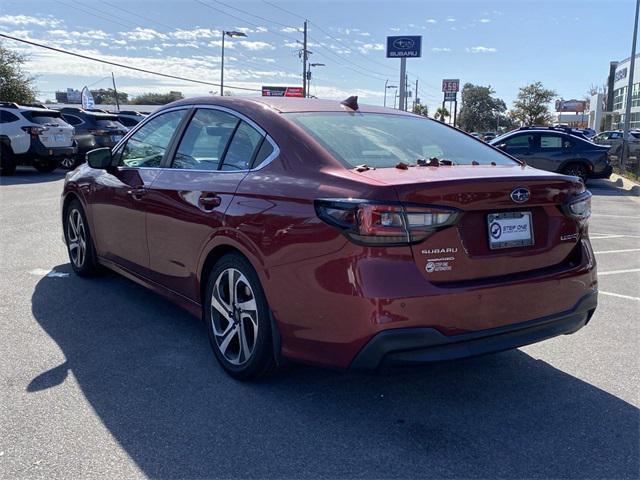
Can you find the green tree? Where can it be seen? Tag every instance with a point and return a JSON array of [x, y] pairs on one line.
[[421, 110], [108, 96], [157, 98], [479, 110], [441, 114], [531, 105], [15, 84]]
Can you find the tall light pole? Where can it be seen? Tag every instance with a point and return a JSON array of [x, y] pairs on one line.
[[232, 33], [627, 110], [387, 87], [309, 75]]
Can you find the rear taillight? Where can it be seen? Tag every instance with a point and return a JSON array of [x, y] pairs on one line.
[[35, 131], [579, 207], [372, 223]]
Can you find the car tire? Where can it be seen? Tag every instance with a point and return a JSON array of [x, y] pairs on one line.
[[576, 170], [7, 163], [45, 166], [82, 254], [238, 323], [69, 163]]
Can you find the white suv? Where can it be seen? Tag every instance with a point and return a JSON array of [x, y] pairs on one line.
[[33, 136]]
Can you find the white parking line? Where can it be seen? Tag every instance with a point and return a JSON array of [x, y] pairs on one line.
[[611, 294], [603, 235], [614, 272], [619, 251], [613, 215]]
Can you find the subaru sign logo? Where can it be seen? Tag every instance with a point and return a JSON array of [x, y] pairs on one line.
[[403, 43], [520, 195], [404, 46]]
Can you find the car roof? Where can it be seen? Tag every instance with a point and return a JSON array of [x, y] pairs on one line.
[[284, 104]]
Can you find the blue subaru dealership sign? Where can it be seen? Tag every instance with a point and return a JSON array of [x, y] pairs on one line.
[[404, 46]]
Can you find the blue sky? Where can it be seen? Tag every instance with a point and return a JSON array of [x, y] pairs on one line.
[[565, 44]]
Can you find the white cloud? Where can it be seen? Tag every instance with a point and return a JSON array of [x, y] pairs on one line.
[[451, 19], [481, 49], [143, 34], [261, 29], [431, 20], [485, 20], [88, 34], [195, 34], [27, 20], [394, 29], [289, 30], [440, 49], [120, 42], [256, 45], [365, 34], [366, 47]]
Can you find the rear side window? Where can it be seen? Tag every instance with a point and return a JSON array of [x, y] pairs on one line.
[[127, 122], [46, 120], [147, 146], [205, 140], [243, 145], [554, 142], [7, 117], [266, 149]]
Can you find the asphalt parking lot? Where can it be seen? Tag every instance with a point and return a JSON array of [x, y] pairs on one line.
[[102, 378]]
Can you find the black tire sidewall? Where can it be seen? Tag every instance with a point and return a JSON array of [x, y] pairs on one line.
[[261, 360], [578, 167], [89, 265], [7, 164]]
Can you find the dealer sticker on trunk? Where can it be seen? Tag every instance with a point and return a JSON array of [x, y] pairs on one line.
[[509, 229]]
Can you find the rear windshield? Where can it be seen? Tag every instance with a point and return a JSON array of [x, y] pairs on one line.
[[384, 140], [47, 120], [108, 124]]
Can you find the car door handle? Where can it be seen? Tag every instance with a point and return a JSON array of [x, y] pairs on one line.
[[137, 193], [209, 201]]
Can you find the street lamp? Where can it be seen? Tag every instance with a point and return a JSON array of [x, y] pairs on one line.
[[309, 75], [386, 87], [232, 33]]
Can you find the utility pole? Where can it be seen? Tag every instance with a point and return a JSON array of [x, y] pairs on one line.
[[415, 95], [384, 103], [403, 86], [225, 34], [115, 90], [627, 110], [304, 61]]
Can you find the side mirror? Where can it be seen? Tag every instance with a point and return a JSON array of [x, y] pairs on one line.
[[100, 158], [502, 146]]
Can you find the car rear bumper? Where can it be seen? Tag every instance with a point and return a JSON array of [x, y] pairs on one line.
[[606, 173], [39, 150], [411, 346]]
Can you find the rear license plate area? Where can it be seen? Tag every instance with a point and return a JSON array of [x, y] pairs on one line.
[[509, 229]]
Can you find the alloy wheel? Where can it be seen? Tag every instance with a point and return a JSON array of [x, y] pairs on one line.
[[68, 162], [234, 316], [76, 238]]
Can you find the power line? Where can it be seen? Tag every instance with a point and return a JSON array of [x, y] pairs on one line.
[[255, 16], [142, 70], [284, 10]]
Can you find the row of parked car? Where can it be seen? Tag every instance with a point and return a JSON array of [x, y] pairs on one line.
[[46, 139]]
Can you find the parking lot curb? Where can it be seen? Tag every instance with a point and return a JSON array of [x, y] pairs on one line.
[[624, 183]]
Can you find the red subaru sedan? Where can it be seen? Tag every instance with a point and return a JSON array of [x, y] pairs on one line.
[[334, 233]]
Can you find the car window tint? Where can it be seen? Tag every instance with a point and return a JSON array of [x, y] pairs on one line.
[[147, 146], [127, 122], [46, 120], [71, 119], [266, 149], [7, 117], [111, 124], [205, 140], [550, 141], [520, 141], [384, 140], [615, 135], [242, 147]]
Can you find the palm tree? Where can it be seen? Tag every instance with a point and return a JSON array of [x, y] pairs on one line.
[[442, 113]]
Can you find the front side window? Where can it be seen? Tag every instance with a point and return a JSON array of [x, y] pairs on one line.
[[147, 146], [7, 117], [385, 140], [521, 141], [242, 147], [205, 140]]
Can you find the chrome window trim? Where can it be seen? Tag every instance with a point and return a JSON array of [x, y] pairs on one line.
[[261, 165]]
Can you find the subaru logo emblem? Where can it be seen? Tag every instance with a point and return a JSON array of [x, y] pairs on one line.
[[403, 43], [520, 195]]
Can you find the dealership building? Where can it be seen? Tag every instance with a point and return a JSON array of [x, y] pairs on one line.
[[607, 111]]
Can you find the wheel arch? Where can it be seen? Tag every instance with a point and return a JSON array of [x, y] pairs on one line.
[[580, 161]]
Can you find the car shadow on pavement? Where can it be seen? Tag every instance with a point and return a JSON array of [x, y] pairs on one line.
[[30, 175], [606, 188], [146, 368]]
